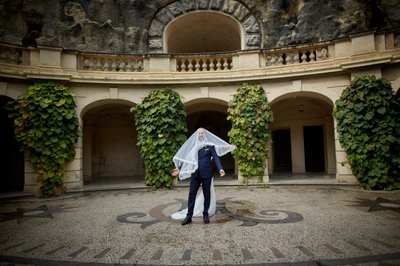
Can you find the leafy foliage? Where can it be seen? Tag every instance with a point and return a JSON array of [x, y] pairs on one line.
[[46, 126], [368, 116], [161, 125], [251, 118]]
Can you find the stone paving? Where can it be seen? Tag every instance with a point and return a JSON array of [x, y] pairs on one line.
[[281, 225]]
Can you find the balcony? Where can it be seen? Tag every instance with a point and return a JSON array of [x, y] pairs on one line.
[[347, 54]]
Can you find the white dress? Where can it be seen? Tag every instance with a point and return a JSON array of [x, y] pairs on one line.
[[199, 205]]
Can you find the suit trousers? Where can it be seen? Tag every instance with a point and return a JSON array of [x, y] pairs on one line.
[[195, 181]]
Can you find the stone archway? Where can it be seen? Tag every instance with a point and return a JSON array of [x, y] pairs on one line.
[[251, 31], [11, 159], [109, 144], [211, 115], [302, 135]]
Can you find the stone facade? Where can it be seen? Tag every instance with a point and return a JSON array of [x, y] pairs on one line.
[[137, 26]]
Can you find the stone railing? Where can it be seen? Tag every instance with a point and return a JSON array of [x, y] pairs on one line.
[[296, 55], [203, 63], [108, 62], [11, 55], [345, 53]]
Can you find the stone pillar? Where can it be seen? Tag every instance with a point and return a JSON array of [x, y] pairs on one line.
[[363, 43], [160, 63], [87, 153], [73, 177], [266, 173], [297, 140], [50, 57], [330, 145], [249, 60], [30, 179], [343, 169]]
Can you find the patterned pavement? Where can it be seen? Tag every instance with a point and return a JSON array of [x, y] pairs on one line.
[[281, 225]]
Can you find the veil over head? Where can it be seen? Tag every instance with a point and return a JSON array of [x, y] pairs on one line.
[[186, 159]]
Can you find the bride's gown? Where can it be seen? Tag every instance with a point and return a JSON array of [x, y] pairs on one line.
[[199, 205]]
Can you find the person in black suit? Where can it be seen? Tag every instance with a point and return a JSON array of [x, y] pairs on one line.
[[201, 171]]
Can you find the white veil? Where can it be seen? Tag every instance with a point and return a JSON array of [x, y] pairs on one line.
[[186, 159], [199, 205]]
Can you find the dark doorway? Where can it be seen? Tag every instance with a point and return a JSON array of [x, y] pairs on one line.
[[282, 150], [11, 159], [314, 148]]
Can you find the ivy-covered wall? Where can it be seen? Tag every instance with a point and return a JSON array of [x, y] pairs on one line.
[[46, 127], [161, 125], [251, 118], [368, 116]]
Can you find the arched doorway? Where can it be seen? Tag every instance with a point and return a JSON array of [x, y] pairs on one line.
[[211, 115], [302, 135], [110, 153], [11, 159]]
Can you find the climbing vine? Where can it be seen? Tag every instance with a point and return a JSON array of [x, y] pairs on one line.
[[161, 125], [251, 118], [46, 127], [368, 124]]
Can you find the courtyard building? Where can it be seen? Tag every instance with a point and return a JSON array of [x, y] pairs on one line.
[[204, 50]]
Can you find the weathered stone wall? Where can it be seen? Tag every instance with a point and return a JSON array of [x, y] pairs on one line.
[[123, 26]]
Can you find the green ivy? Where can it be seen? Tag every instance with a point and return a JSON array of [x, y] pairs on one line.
[[46, 126], [368, 124], [251, 118], [161, 125]]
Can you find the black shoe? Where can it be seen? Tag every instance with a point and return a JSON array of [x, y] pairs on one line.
[[187, 220], [206, 219]]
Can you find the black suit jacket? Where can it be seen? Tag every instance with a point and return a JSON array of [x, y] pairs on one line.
[[205, 167]]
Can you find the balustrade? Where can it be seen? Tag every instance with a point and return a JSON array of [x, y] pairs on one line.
[[112, 63], [296, 55], [203, 64], [191, 63]]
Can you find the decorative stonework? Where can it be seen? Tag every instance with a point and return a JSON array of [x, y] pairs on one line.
[[229, 7], [227, 210]]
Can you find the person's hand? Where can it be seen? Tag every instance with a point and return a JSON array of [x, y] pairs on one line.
[[221, 172], [175, 172], [234, 146]]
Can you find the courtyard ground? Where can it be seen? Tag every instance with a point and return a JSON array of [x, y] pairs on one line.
[[284, 224]]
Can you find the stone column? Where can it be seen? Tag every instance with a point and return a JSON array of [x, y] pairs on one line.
[[30, 179], [330, 145], [343, 169], [297, 140], [73, 177]]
